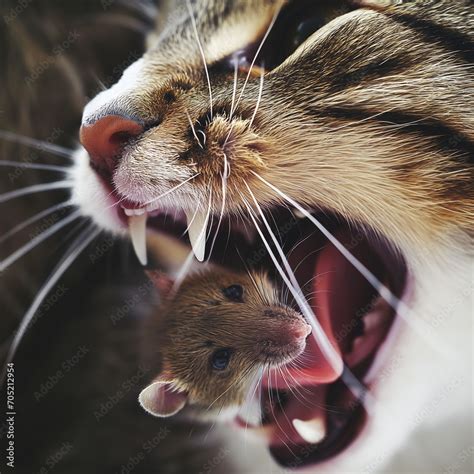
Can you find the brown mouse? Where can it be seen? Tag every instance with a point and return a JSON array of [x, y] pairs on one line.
[[213, 337]]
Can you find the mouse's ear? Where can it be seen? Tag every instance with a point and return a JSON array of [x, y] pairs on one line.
[[161, 400], [162, 282]]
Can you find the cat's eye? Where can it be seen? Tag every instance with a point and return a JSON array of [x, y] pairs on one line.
[[220, 359], [297, 21], [234, 293]]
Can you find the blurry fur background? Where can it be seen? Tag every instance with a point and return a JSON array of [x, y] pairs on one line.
[[77, 373]]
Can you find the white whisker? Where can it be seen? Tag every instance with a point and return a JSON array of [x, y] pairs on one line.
[[33, 166], [225, 176], [397, 305], [182, 273], [38, 144], [75, 250], [234, 90], [269, 29], [193, 129], [33, 219], [331, 355], [4, 264], [193, 20], [260, 92], [36, 188]]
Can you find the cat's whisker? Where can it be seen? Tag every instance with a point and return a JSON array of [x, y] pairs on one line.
[[252, 64], [37, 144], [224, 177], [7, 262], [34, 166], [392, 300], [183, 272], [332, 357], [259, 98], [193, 128], [34, 219], [234, 89], [166, 193], [36, 188], [203, 56], [84, 239], [330, 354]]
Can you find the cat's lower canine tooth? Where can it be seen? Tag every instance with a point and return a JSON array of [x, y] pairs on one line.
[[137, 228], [312, 431]]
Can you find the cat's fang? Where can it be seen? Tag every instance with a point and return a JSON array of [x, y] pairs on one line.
[[197, 229], [312, 431], [137, 228]]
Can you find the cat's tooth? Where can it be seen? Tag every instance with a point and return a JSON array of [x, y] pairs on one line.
[[299, 214], [377, 317], [137, 228], [197, 229], [312, 431]]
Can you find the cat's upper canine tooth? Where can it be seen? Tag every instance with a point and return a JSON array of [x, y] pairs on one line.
[[137, 228], [312, 431], [197, 230]]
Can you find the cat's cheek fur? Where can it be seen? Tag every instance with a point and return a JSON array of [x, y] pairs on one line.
[[90, 195]]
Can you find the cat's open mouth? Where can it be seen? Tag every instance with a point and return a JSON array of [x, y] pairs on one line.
[[309, 411]]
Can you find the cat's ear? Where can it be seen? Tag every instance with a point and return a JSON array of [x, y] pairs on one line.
[[160, 399], [162, 282]]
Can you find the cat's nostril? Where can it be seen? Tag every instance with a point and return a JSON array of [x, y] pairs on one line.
[[106, 137]]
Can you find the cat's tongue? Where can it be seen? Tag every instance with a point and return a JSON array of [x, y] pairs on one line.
[[337, 294]]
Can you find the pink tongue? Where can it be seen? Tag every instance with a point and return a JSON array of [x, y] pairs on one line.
[[339, 294]]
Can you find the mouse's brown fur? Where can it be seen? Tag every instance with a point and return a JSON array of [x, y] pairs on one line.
[[201, 319]]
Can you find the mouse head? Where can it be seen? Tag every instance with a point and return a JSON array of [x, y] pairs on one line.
[[219, 331]]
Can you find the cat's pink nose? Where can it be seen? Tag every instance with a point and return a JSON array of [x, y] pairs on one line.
[[104, 139]]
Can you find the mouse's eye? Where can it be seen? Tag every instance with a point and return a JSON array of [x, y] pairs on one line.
[[234, 293], [220, 359]]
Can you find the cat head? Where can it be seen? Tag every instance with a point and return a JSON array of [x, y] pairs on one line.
[[355, 115]]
